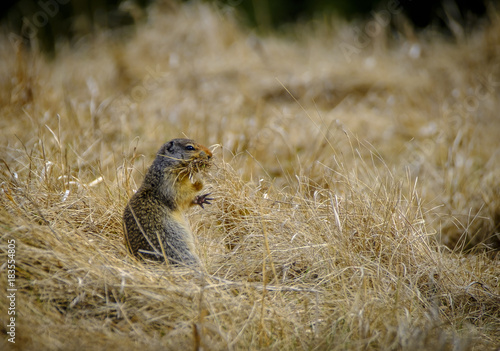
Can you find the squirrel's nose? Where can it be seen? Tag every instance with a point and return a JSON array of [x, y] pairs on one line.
[[204, 154]]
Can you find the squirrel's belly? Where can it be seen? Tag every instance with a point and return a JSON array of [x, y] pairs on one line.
[[183, 230]]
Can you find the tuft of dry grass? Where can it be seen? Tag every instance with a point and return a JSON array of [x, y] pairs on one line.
[[356, 204]]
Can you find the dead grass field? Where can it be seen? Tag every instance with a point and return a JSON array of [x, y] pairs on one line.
[[357, 204]]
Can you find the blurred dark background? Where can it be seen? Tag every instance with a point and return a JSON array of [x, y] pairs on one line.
[[46, 21], [421, 12]]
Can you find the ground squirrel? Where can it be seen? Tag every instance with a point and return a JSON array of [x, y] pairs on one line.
[[153, 221]]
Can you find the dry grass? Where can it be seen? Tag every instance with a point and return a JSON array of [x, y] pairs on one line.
[[331, 208]]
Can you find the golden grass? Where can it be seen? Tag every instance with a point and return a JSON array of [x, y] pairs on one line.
[[336, 185]]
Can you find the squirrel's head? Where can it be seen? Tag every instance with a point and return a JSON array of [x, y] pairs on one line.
[[183, 156]]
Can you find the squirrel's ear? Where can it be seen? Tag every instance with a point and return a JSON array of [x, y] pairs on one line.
[[170, 146]]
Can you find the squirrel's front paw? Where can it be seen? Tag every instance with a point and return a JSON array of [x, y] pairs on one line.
[[202, 199]]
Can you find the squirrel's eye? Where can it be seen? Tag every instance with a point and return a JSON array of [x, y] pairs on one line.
[[190, 147]]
